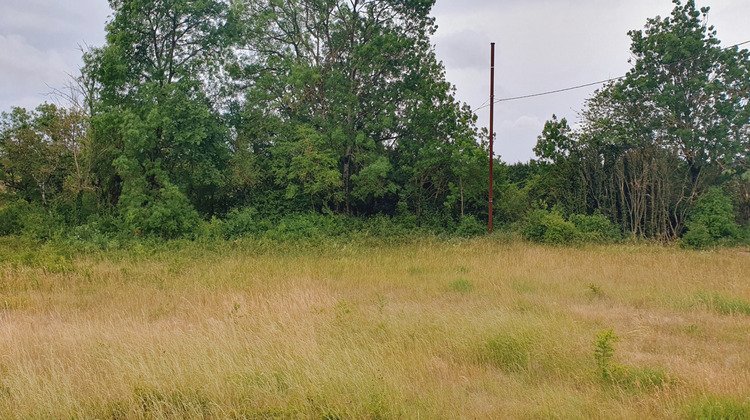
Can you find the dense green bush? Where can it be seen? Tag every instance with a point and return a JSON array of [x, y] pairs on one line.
[[34, 221], [12, 217], [167, 214], [595, 228], [239, 223], [548, 227], [470, 226], [711, 221], [552, 228], [391, 228]]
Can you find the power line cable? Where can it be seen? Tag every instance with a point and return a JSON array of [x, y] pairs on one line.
[[484, 104], [551, 92], [601, 82]]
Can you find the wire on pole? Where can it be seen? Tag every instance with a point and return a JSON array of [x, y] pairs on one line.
[[601, 82]]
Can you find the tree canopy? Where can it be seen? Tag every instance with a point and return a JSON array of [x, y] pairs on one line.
[[243, 111]]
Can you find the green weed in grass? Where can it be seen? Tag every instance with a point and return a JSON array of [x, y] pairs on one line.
[[625, 377], [342, 309], [595, 291], [715, 408], [462, 286], [510, 353], [604, 352], [723, 304], [381, 302]]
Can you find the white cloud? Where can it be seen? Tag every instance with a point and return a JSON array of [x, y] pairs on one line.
[[28, 72], [525, 122], [39, 45]]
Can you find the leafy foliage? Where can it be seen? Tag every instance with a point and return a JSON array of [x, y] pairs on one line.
[[604, 351], [653, 142], [552, 228], [306, 118], [711, 221]]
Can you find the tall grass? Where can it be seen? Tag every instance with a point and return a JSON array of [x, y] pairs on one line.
[[478, 328]]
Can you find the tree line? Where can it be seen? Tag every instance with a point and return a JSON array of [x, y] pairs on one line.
[[200, 112]]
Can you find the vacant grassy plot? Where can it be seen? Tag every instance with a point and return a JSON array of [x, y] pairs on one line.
[[469, 329]]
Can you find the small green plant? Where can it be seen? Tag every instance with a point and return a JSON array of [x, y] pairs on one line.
[[523, 287], [342, 309], [416, 271], [640, 378], [462, 286], [462, 269], [630, 378], [604, 351], [595, 290]]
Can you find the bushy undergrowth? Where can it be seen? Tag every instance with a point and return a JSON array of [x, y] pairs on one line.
[[552, 228], [708, 227], [711, 222], [20, 217], [301, 230]]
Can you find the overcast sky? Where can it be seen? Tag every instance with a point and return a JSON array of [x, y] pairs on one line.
[[541, 45]]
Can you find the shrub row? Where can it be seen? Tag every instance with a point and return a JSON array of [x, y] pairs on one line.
[[553, 228]]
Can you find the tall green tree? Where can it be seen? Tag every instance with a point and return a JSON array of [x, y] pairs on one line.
[[44, 155], [678, 123], [694, 91], [162, 142], [361, 75]]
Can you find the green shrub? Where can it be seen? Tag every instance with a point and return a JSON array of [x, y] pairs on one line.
[[242, 222], [559, 231], [711, 221], [534, 226], [719, 408], [625, 377], [214, 229], [88, 237], [470, 226], [167, 213], [595, 228], [12, 217], [386, 227], [310, 226], [697, 237], [546, 227], [604, 351], [437, 222], [462, 286], [510, 353], [21, 218]]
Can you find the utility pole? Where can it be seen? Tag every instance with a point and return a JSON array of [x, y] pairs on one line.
[[492, 114]]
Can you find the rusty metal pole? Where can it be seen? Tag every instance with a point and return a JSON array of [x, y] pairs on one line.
[[492, 114]]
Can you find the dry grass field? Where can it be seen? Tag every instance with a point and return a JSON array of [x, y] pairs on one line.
[[473, 329]]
